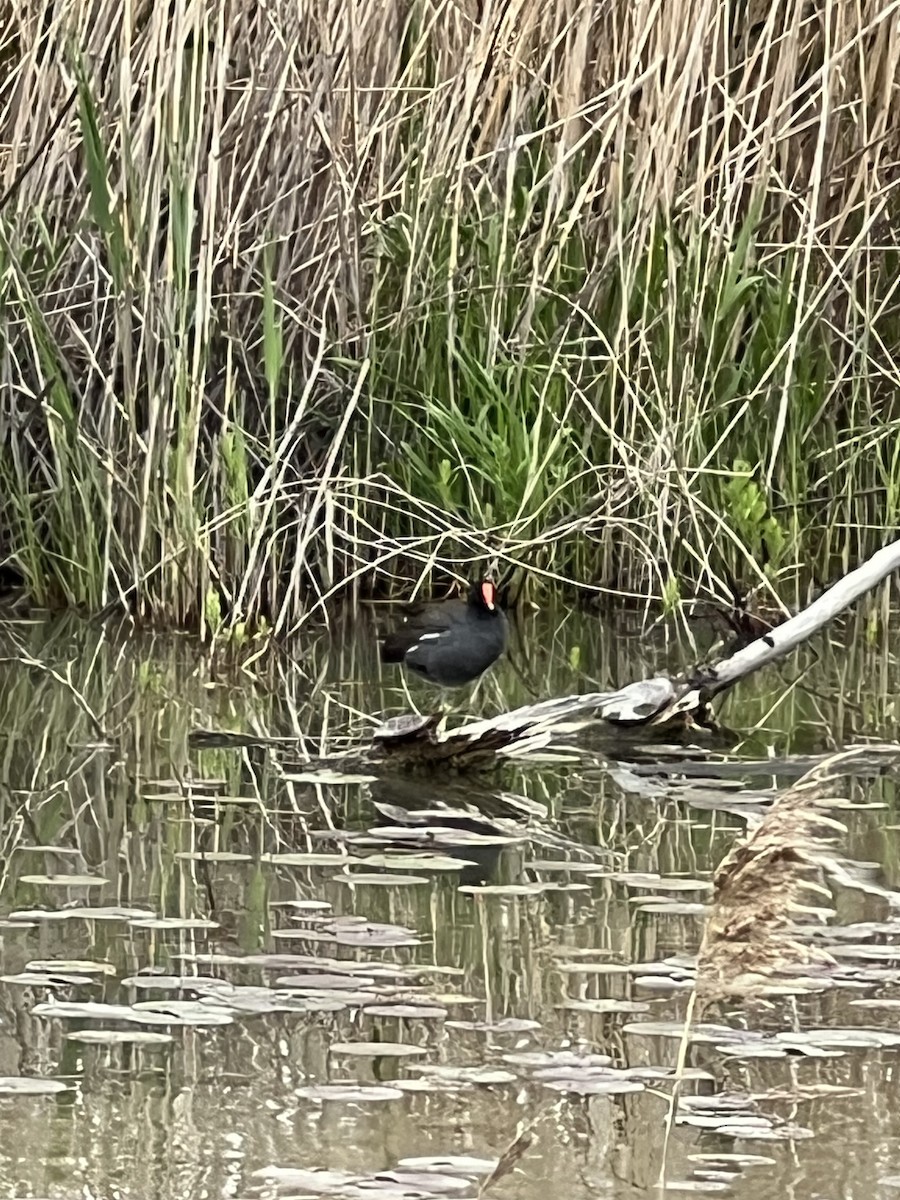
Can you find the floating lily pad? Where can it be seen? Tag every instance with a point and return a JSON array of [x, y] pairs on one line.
[[67, 850], [334, 983], [371, 933], [173, 923], [733, 1159], [556, 1058], [594, 1087], [395, 879], [344, 1093], [713, 1034], [376, 1049], [255, 1001], [313, 858], [431, 1087], [672, 908], [566, 865], [46, 979], [664, 970], [31, 1085], [446, 835], [119, 1037], [417, 862], [781, 1133], [174, 983], [509, 889], [451, 1164], [84, 911], [363, 933], [664, 983], [143, 1014], [604, 1006], [213, 856], [409, 1012], [504, 1025], [64, 880], [455, 999], [675, 883], [185, 1012], [483, 1076], [71, 966], [421, 1184], [695, 1186], [304, 1180], [329, 777]]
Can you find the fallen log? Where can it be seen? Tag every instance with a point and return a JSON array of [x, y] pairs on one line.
[[532, 731]]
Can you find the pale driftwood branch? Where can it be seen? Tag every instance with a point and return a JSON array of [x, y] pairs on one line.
[[535, 730], [658, 701], [798, 629]]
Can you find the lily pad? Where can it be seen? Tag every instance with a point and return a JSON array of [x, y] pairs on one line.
[[46, 979], [64, 880], [173, 923], [314, 1180], [31, 1085], [185, 1012], [483, 1076], [451, 1164], [418, 1184], [213, 856], [417, 862], [142, 1014], [556, 1058], [695, 1186], [376, 1049], [358, 879], [85, 911], [431, 1087], [508, 889], [733, 1159], [332, 983], [119, 1037], [566, 865], [371, 933], [174, 983], [672, 908], [504, 1025], [313, 858], [345, 1093], [594, 1087], [409, 1012], [71, 966], [604, 1006]]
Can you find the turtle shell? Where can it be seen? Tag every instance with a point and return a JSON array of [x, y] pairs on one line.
[[408, 727]]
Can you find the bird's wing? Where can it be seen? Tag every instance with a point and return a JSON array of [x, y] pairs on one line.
[[426, 625]]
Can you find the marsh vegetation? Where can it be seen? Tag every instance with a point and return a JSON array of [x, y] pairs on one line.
[[298, 300]]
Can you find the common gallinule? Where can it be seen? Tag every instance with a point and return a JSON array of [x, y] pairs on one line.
[[452, 642]]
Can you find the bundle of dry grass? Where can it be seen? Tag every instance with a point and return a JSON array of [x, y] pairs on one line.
[[255, 256], [763, 887]]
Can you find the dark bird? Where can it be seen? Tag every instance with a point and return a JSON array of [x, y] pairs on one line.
[[452, 642]]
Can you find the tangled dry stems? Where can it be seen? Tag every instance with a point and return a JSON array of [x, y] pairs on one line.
[[301, 295]]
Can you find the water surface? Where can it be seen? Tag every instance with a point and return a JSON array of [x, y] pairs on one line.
[[463, 966]]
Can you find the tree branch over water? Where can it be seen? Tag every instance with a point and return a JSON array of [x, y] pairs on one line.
[[660, 701]]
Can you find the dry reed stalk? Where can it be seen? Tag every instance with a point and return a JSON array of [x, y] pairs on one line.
[[283, 146], [751, 944]]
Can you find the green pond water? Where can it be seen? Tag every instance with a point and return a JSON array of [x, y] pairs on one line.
[[487, 966]]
